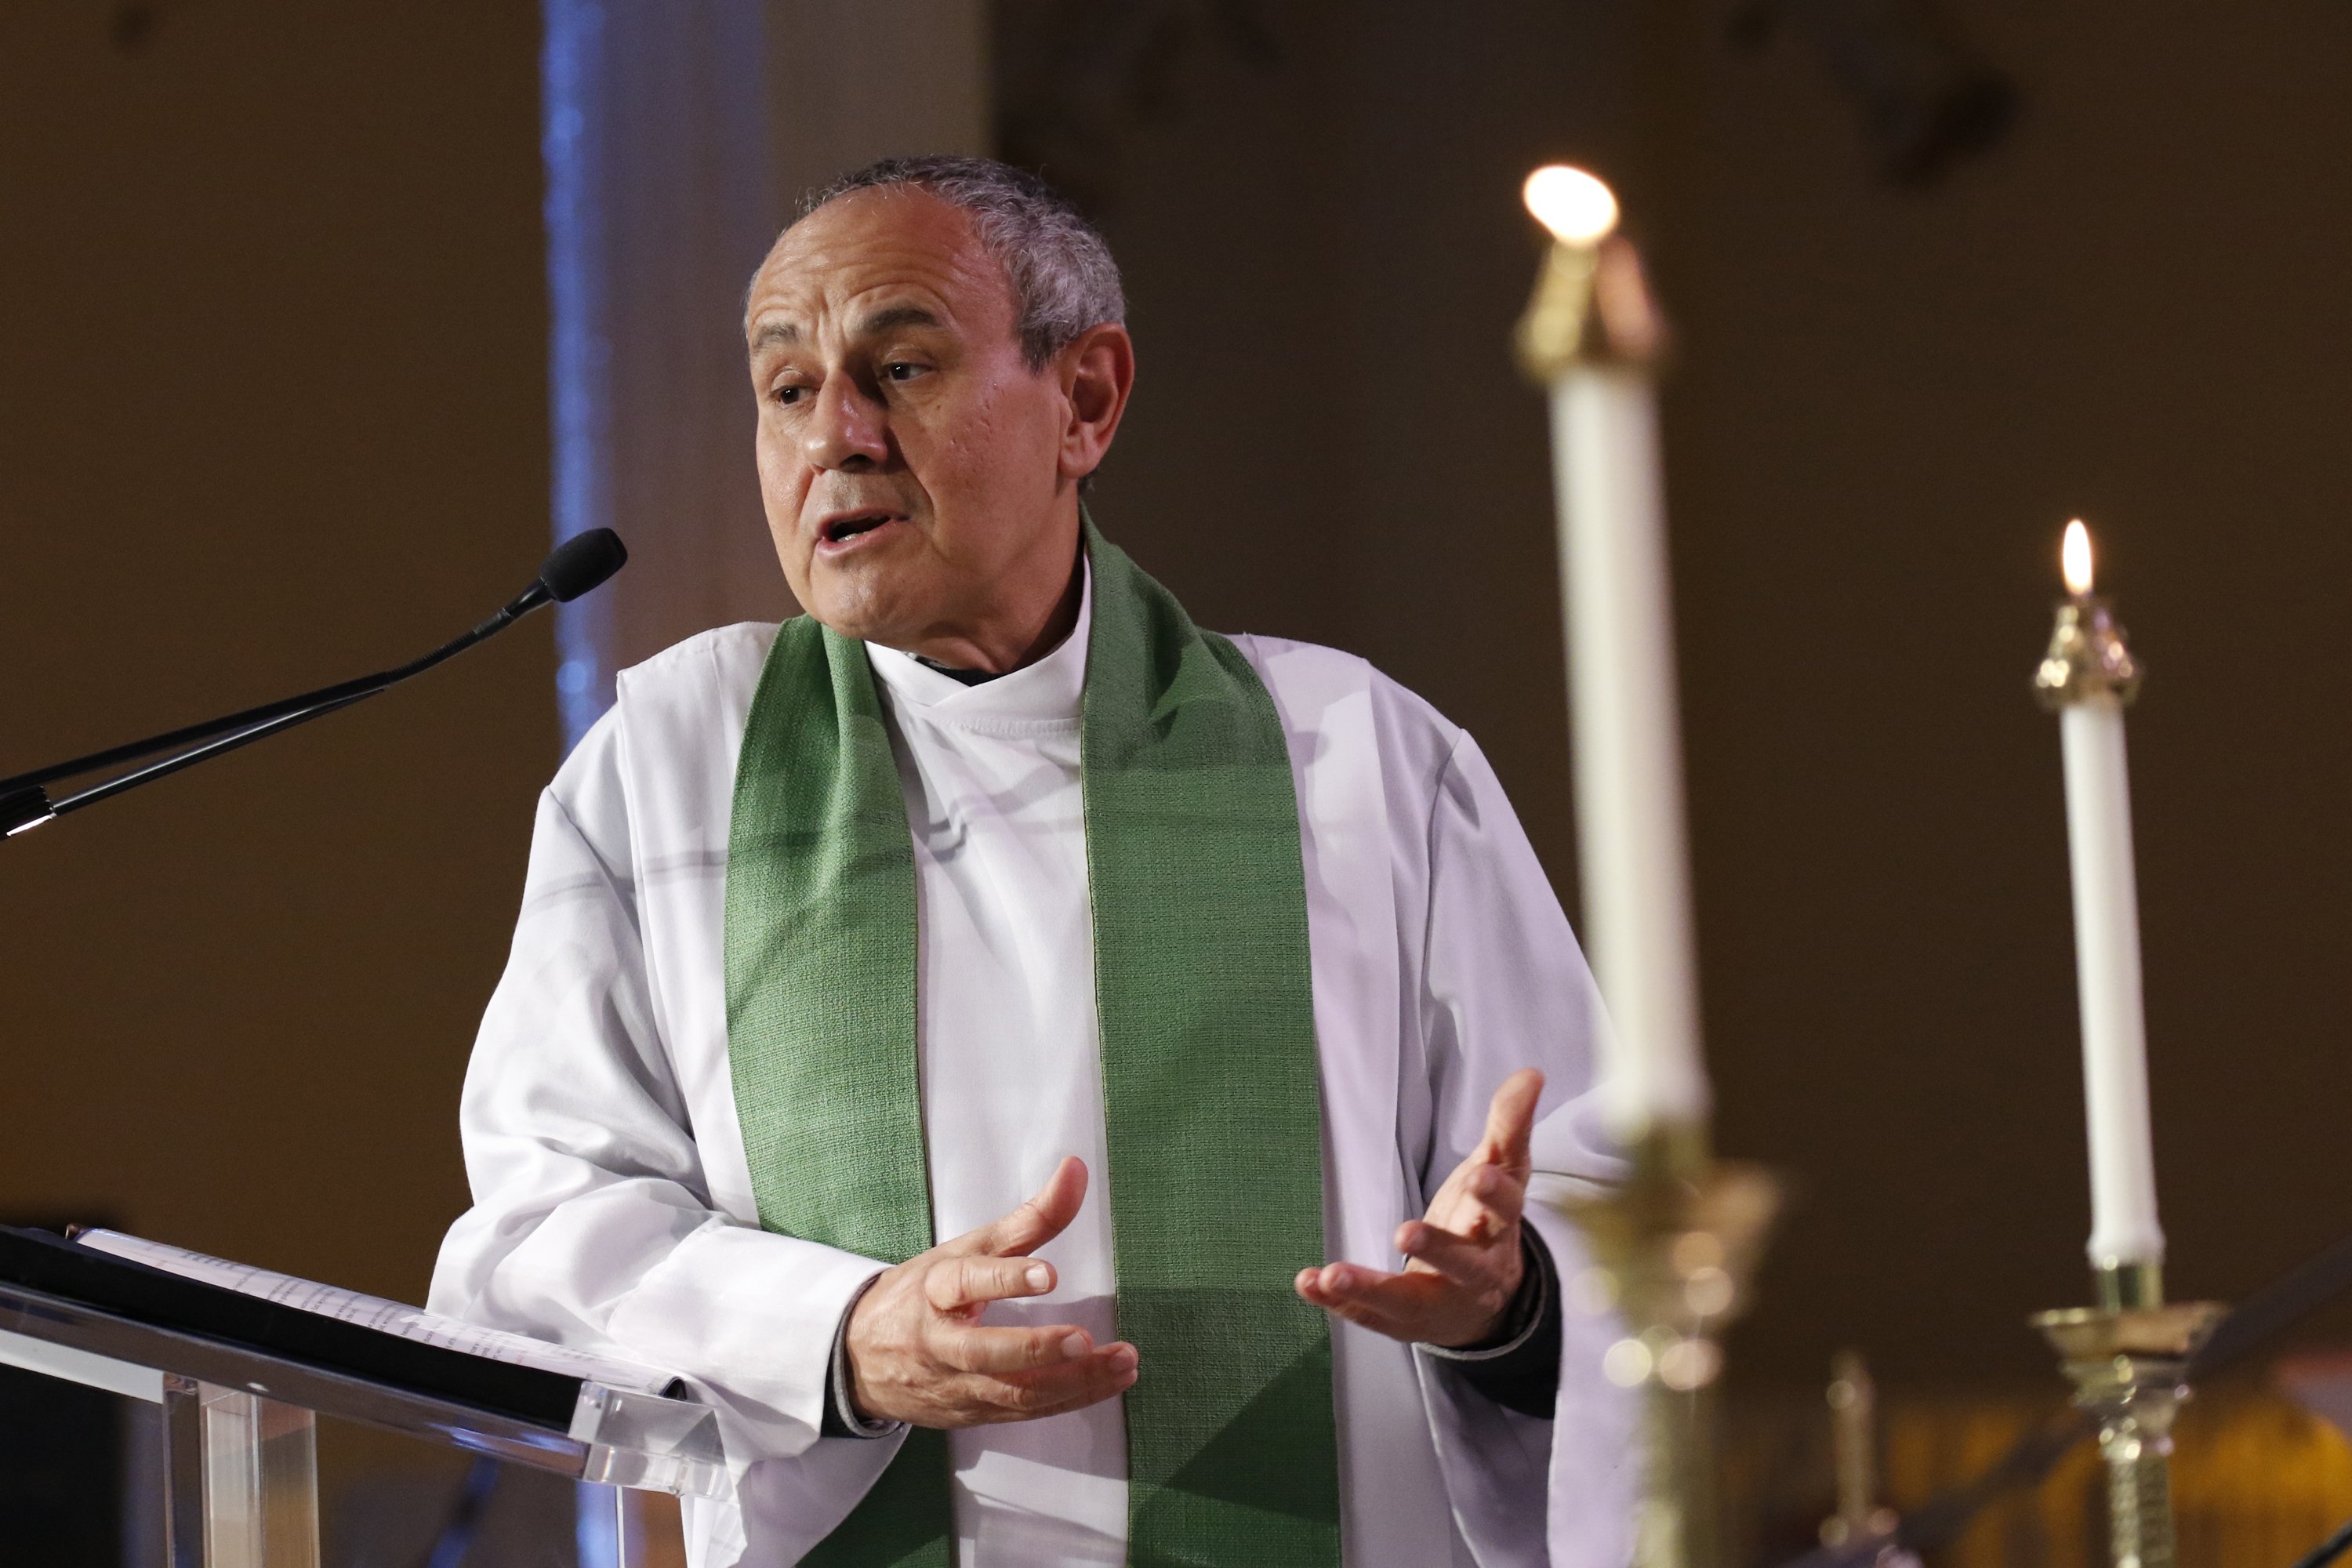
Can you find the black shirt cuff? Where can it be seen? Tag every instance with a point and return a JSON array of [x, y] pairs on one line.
[[1518, 1369]]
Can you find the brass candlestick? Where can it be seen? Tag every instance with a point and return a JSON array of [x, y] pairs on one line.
[[1674, 1249], [1860, 1525], [2128, 1356], [2088, 657], [1591, 307], [1672, 1253], [2128, 1361]]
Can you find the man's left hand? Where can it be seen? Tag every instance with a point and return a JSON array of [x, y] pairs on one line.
[[1463, 1261]]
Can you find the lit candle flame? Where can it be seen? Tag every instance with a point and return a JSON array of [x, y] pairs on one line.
[[2075, 558], [1576, 207]]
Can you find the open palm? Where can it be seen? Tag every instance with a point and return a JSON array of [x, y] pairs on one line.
[[1463, 1258]]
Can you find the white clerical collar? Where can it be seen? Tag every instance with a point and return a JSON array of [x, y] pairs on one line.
[[1051, 688]]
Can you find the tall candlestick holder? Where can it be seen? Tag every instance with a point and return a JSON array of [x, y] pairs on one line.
[[1674, 1248], [2128, 1360], [2128, 1356], [1672, 1253]]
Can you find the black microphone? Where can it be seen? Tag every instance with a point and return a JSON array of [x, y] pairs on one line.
[[579, 565]]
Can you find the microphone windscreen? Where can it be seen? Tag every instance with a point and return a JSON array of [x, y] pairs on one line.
[[582, 562]]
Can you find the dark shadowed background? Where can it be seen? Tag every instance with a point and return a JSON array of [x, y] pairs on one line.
[[273, 410]]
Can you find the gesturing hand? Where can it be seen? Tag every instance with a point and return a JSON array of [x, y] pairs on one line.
[[1465, 1262], [917, 1351]]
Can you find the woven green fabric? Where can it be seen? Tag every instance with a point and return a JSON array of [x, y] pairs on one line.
[[1208, 1052], [821, 1014]]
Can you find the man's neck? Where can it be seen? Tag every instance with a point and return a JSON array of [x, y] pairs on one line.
[[972, 658]]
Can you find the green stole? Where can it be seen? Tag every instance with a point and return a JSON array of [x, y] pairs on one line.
[[1207, 1026]]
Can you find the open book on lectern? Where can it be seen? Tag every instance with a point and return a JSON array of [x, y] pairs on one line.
[[322, 1325], [386, 1317]]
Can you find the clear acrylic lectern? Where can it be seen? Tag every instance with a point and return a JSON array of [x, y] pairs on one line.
[[242, 1380]]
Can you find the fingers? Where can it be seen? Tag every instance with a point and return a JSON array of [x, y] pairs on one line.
[[1035, 1223], [1484, 1198], [944, 1395], [1400, 1306], [1000, 1350], [1500, 1196], [917, 1351], [1511, 1119], [957, 1284], [1479, 1202], [1030, 1395], [1477, 1263]]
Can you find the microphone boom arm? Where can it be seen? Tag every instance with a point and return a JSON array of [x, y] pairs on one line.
[[577, 567]]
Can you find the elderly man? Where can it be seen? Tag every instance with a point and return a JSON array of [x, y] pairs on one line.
[[1062, 1083]]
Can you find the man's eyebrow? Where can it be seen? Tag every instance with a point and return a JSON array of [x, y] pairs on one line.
[[888, 319], [891, 316]]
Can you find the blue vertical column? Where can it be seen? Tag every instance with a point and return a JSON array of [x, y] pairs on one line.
[[580, 358], [659, 203]]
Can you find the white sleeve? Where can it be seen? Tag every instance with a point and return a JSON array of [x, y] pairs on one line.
[[1505, 985], [593, 1224]]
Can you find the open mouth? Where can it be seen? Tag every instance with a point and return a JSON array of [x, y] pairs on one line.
[[850, 525]]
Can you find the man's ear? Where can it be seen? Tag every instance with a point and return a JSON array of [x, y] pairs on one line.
[[1098, 371]]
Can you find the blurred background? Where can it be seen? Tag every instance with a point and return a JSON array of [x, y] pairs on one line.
[[317, 322]]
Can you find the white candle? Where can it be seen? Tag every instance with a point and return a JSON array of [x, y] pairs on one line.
[[1621, 662], [1628, 748], [2124, 1227]]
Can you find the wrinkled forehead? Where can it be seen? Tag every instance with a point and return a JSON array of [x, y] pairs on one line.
[[871, 251]]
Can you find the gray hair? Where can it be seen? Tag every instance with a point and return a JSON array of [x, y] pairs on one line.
[[1064, 280]]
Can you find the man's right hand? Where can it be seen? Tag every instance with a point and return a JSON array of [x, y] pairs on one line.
[[917, 1349]]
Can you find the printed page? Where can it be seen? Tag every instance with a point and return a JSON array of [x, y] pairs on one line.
[[390, 1317]]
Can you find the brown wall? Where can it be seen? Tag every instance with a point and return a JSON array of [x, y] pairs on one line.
[[272, 412], [1887, 405], [271, 349]]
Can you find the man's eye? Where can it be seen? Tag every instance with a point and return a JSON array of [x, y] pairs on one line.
[[788, 395], [902, 370]]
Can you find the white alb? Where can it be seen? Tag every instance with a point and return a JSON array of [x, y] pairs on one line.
[[612, 1203]]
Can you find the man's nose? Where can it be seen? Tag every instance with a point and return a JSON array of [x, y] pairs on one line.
[[847, 430]]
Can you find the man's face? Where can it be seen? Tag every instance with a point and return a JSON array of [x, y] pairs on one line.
[[913, 467]]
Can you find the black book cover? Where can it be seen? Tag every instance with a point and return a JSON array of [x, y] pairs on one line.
[[55, 1266]]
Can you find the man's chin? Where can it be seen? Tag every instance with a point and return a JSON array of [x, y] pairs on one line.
[[866, 600]]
